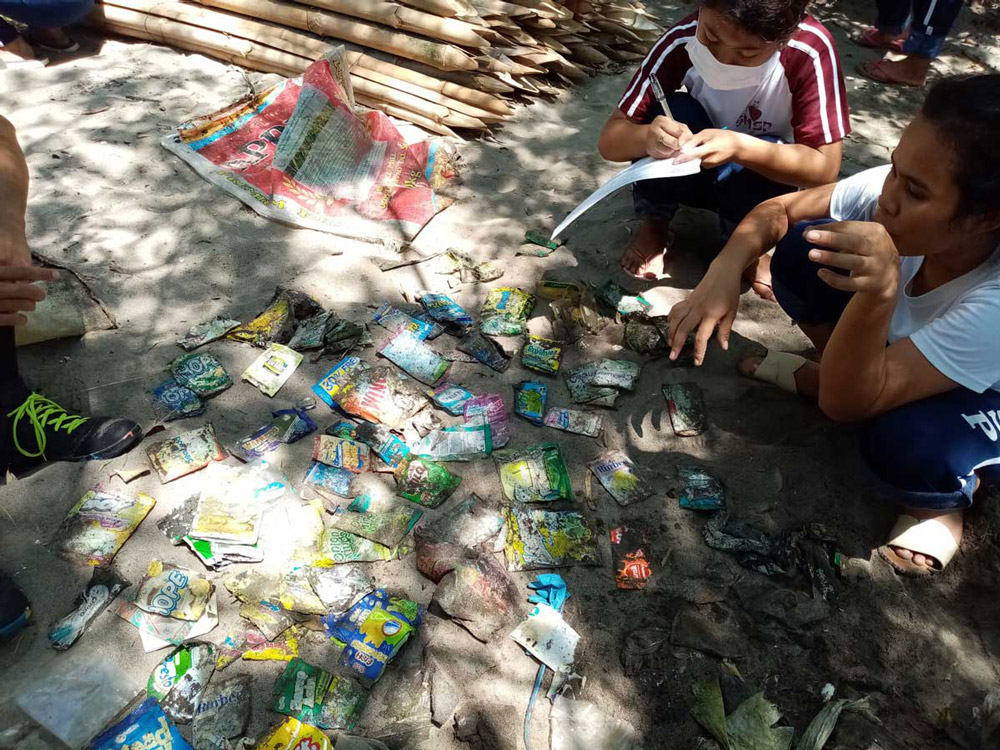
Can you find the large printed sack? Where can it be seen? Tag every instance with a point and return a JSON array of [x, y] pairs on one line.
[[298, 153]]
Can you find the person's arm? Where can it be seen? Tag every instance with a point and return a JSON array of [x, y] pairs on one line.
[[622, 139], [18, 293], [13, 199], [788, 163], [715, 301], [859, 376]]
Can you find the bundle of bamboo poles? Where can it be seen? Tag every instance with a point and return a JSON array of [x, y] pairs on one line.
[[444, 65]]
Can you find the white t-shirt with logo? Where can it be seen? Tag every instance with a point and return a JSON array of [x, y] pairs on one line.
[[956, 326]]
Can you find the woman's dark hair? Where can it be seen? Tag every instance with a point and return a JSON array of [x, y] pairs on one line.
[[771, 20], [966, 111]]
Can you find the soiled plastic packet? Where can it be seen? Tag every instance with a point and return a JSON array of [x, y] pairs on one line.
[[620, 478], [505, 311], [329, 479], [470, 523], [446, 311], [460, 443], [485, 350], [382, 395], [294, 735], [296, 595], [272, 369], [451, 398], [222, 713], [218, 555], [629, 551], [649, 335], [259, 443], [186, 453], [331, 384], [283, 648], [573, 305], [701, 491], [535, 475], [393, 319], [145, 727], [687, 408], [276, 324], [425, 482], [294, 424], [158, 632], [309, 333], [407, 350], [388, 446], [205, 333], [574, 420], [316, 696], [338, 546], [342, 453], [227, 511], [619, 300], [98, 525], [490, 409], [104, 585], [579, 381], [539, 538], [179, 400], [616, 373], [172, 591], [385, 527], [373, 632], [177, 523], [529, 400], [202, 373], [178, 680], [541, 354], [341, 587]]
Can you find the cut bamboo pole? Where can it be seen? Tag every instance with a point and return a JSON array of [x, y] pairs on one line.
[[431, 96], [406, 19], [443, 8], [404, 114], [500, 8], [435, 54], [436, 112]]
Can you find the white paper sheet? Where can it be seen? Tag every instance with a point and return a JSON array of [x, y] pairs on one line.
[[644, 169], [548, 637]]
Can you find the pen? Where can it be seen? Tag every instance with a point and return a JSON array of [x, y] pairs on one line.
[[660, 96]]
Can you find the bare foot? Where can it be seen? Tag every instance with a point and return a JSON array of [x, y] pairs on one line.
[[758, 276], [910, 71], [644, 257], [952, 519], [16, 51], [806, 377]]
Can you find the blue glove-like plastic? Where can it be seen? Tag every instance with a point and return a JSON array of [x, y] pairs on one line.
[[550, 588]]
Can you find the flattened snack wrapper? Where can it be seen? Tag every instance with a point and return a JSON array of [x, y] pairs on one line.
[[186, 453], [179, 400], [342, 453], [382, 395], [222, 712], [505, 311], [687, 408], [202, 373], [425, 482], [630, 554], [490, 409], [649, 335], [580, 380], [178, 680], [294, 735], [529, 400], [104, 585], [574, 420], [541, 354], [373, 632], [451, 398], [393, 319], [407, 350], [460, 443], [616, 373], [336, 546], [539, 538], [283, 648], [333, 382], [620, 300], [388, 446], [172, 591], [485, 350], [276, 324], [446, 311], [701, 491], [261, 442], [272, 369], [159, 632], [318, 697], [329, 479], [535, 475], [620, 477], [98, 525], [309, 333], [387, 527], [145, 727], [205, 333]]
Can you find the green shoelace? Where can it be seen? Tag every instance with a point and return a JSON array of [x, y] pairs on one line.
[[43, 414]]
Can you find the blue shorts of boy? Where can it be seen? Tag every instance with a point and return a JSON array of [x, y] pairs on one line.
[[925, 454]]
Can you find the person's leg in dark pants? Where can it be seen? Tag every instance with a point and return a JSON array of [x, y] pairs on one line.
[[44, 19], [930, 456]]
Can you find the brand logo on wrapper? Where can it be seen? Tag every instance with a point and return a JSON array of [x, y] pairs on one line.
[[161, 739], [170, 595]]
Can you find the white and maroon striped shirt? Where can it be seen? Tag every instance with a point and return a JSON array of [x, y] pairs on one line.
[[801, 100]]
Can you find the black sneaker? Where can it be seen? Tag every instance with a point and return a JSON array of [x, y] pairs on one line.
[[39, 430], [14, 609]]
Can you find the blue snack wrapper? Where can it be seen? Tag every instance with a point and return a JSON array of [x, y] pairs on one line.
[[329, 478], [334, 380], [451, 398], [373, 632], [446, 311], [180, 400], [529, 400], [146, 727], [298, 427]]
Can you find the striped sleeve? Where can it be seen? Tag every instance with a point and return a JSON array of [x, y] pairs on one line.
[[667, 60], [820, 113]]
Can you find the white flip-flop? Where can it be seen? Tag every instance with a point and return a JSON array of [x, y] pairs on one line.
[[778, 368], [929, 537]]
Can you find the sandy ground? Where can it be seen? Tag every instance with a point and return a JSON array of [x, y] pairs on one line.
[[165, 250]]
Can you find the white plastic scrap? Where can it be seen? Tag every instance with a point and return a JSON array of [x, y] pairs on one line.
[[580, 725], [548, 637]]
